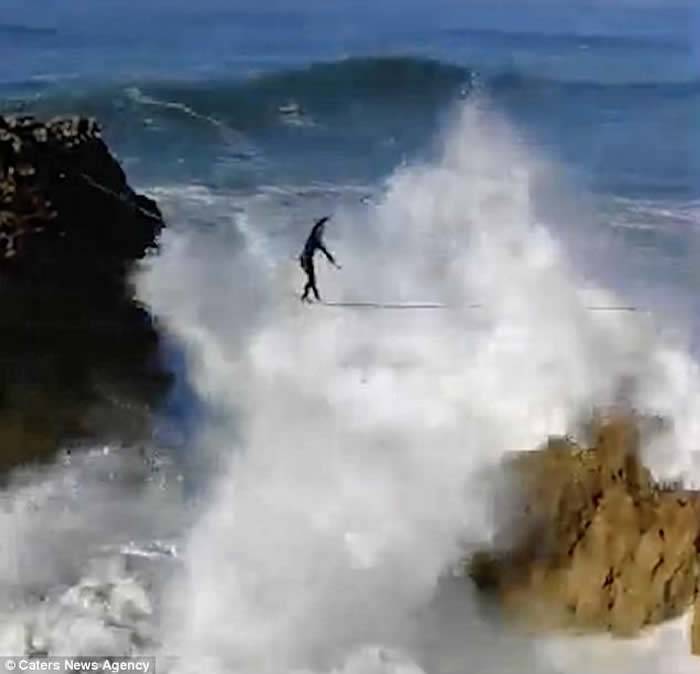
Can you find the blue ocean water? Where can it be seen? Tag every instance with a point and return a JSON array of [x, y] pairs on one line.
[[239, 96], [613, 91], [247, 96], [277, 95]]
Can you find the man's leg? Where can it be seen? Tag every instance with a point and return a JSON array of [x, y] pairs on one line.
[[312, 281], [305, 266]]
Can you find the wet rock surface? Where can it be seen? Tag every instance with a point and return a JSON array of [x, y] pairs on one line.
[[594, 543], [79, 358]]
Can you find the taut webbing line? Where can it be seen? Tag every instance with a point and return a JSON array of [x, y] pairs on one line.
[[430, 305]]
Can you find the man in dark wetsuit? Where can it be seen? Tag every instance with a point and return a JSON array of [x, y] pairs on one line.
[[306, 259]]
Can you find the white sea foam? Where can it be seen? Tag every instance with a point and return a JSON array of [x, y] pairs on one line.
[[352, 447], [347, 454]]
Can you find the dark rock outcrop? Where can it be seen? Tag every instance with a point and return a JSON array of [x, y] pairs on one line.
[[594, 543], [79, 358]]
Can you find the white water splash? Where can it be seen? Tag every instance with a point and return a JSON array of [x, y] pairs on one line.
[[346, 465], [81, 560], [351, 447]]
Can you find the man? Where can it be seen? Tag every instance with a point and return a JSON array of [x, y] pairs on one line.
[[306, 259]]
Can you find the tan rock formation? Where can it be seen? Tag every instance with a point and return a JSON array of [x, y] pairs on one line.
[[602, 547]]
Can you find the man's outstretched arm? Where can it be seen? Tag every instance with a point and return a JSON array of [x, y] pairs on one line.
[[327, 253]]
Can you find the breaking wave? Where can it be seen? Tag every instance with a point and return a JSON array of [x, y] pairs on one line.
[[319, 90]]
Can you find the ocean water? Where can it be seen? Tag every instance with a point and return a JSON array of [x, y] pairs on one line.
[[537, 159]]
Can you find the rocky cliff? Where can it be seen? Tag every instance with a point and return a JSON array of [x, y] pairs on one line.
[[79, 358]]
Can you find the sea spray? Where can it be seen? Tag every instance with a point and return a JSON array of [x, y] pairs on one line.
[[346, 455], [353, 446]]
